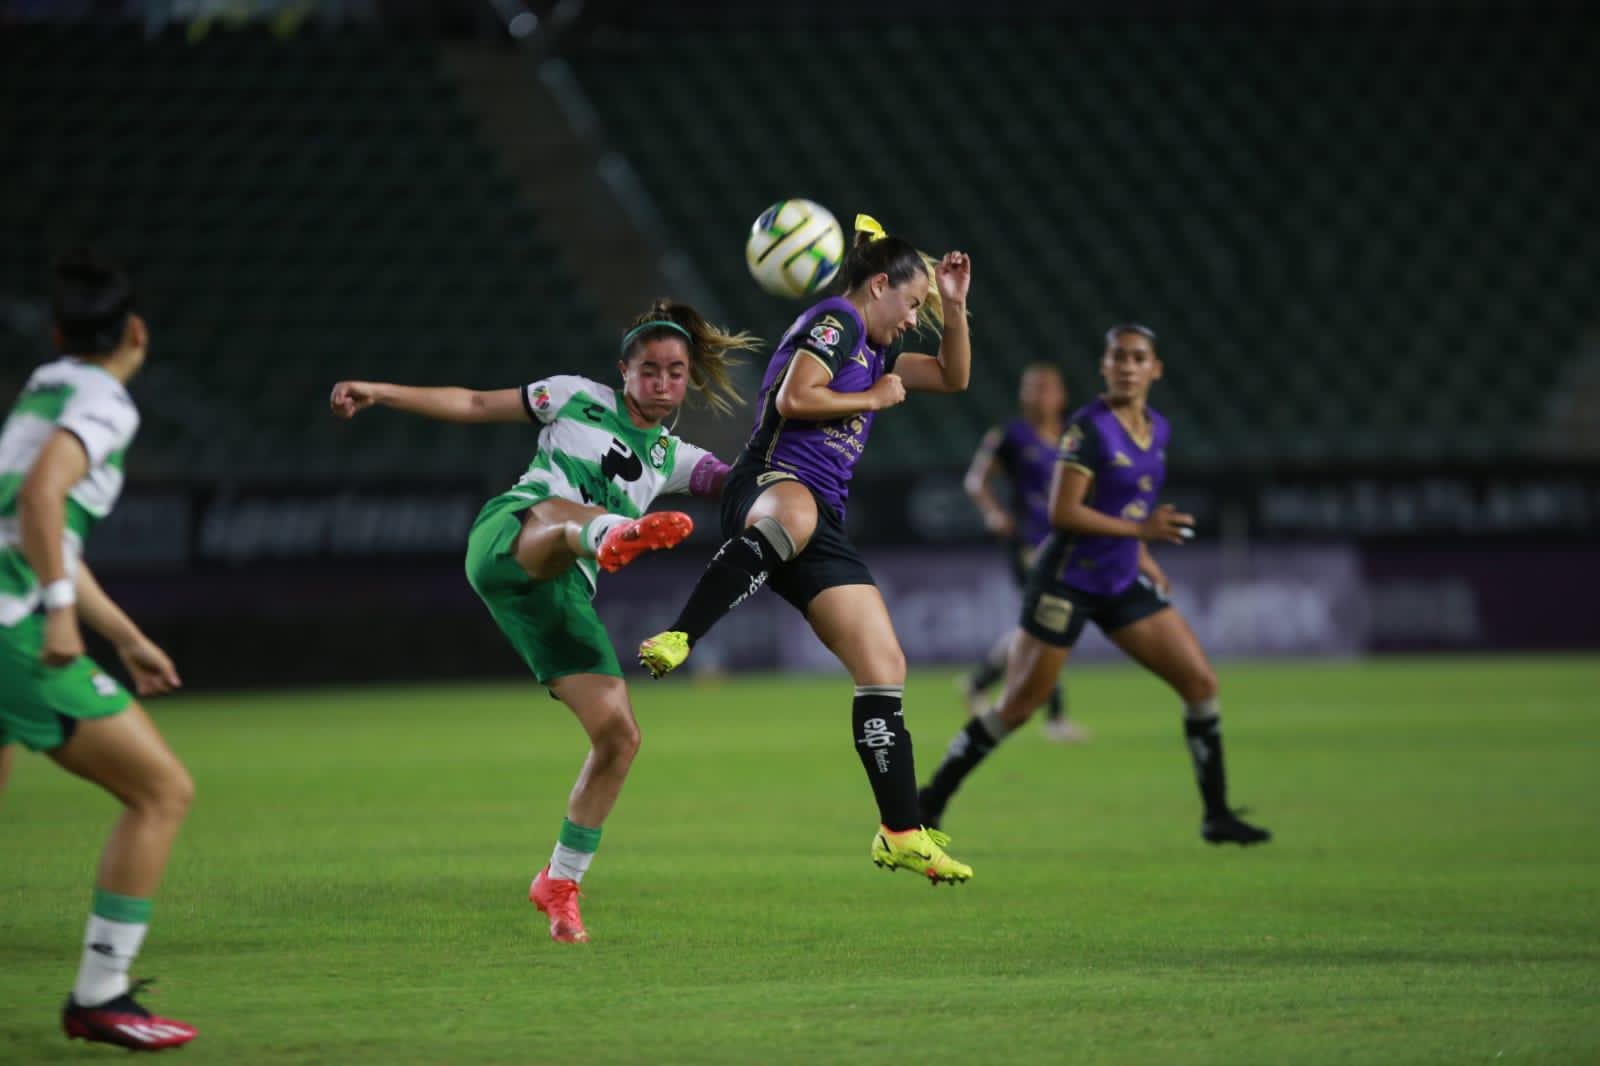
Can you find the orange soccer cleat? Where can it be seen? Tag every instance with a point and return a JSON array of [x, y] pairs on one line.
[[558, 897], [626, 542]]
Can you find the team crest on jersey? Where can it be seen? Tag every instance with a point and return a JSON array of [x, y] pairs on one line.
[[658, 453], [823, 333]]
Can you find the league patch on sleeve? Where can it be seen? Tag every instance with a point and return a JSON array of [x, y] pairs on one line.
[[541, 398], [825, 335], [1072, 442]]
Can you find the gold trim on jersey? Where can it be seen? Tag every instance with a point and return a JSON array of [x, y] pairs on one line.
[[812, 354], [1149, 436]]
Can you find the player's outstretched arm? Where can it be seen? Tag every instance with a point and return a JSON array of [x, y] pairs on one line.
[[445, 404], [951, 369], [153, 672]]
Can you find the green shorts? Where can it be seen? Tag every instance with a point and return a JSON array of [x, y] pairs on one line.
[[551, 624], [41, 706]]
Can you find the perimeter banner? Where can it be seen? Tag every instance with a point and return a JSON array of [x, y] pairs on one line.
[[948, 605]]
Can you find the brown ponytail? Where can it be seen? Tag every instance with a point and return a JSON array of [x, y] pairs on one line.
[[709, 366]]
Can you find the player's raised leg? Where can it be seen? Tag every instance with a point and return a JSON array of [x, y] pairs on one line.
[[125, 755], [1165, 645], [556, 533], [854, 623], [600, 703], [777, 528], [1031, 672]]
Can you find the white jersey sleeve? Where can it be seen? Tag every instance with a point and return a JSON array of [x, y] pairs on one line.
[[102, 416], [685, 458], [544, 399]]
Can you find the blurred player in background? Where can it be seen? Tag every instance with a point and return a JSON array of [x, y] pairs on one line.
[[1095, 566], [1024, 450], [603, 457], [61, 462], [783, 510]]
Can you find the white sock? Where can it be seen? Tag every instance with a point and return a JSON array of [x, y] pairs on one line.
[[596, 531], [108, 950], [569, 864]]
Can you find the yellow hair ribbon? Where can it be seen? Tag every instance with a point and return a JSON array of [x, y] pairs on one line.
[[871, 227]]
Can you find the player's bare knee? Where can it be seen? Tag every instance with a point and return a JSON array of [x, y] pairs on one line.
[[617, 739], [884, 667], [167, 796], [1199, 686]]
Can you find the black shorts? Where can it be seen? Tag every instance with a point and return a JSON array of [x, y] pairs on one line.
[[828, 561], [1056, 613], [1020, 556]]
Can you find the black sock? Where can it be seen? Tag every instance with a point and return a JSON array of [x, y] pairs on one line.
[[992, 667], [1056, 709], [1205, 749], [735, 573], [884, 744], [985, 675], [967, 749]]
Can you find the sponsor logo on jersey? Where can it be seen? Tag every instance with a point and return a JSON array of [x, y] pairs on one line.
[[658, 453], [620, 464], [825, 334]]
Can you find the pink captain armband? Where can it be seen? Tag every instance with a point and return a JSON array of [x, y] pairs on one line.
[[707, 475]]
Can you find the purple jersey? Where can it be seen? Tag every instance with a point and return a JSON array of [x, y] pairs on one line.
[[820, 454], [1127, 474], [1029, 461]]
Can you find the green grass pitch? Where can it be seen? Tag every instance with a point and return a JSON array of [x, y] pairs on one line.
[[351, 885]]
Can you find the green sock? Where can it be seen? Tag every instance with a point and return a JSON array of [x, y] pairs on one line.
[[575, 849], [121, 908]]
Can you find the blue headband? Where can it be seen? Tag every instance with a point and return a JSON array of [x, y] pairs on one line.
[[627, 338]]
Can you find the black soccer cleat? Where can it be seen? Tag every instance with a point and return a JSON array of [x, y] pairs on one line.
[[1229, 828]]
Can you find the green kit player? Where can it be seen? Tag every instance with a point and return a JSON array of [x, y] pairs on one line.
[[604, 455], [61, 454]]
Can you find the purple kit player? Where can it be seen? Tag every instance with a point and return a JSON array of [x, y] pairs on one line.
[[783, 503], [1024, 450], [1095, 566]]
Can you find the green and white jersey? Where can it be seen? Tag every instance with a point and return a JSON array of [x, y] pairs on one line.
[[93, 406], [591, 452]]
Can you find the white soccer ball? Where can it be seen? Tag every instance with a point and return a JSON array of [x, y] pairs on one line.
[[795, 248]]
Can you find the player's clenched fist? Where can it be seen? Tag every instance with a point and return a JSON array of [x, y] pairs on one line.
[[887, 391], [348, 397]]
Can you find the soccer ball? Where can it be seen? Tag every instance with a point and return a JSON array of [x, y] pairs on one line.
[[795, 248]]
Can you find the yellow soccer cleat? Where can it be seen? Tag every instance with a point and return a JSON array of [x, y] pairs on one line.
[[921, 850], [664, 652]]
